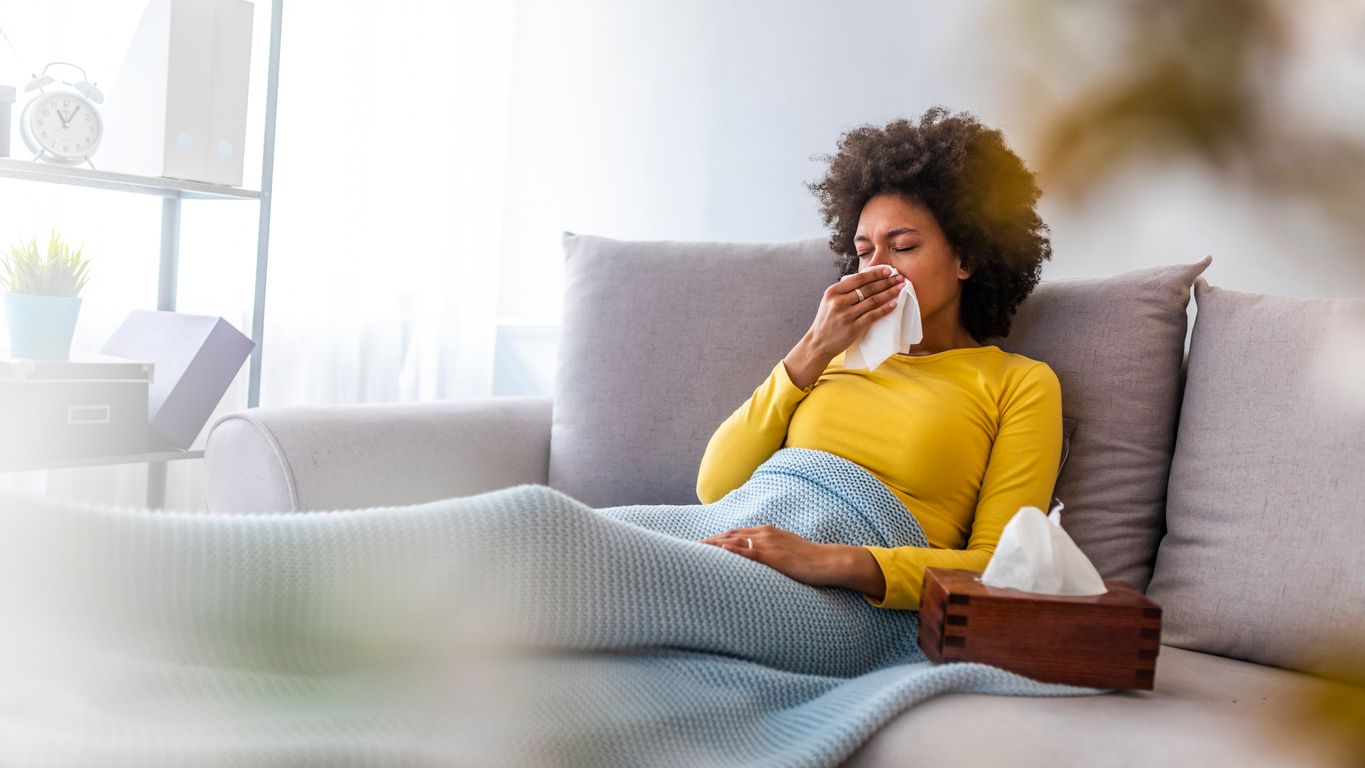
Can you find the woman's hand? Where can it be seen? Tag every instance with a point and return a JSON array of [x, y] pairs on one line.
[[843, 318], [784, 551]]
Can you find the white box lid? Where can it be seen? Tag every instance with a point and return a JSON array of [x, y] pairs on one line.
[[79, 366]]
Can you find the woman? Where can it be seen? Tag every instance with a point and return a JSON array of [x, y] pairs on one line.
[[963, 434]]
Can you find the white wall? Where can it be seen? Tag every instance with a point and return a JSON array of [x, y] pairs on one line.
[[681, 121]]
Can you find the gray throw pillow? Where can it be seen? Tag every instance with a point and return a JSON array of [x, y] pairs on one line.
[[1262, 557], [660, 342], [1117, 344]]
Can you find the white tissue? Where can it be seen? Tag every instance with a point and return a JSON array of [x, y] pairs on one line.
[[895, 332], [1034, 554]]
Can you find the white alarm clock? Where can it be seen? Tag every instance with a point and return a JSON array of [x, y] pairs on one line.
[[62, 126]]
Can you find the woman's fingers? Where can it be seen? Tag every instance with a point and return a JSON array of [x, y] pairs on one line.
[[875, 306], [877, 293], [741, 546], [893, 283], [872, 281], [737, 537], [749, 553]]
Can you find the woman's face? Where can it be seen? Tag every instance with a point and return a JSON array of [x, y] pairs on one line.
[[896, 231]]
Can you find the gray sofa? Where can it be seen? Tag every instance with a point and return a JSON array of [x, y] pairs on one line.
[[1222, 479]]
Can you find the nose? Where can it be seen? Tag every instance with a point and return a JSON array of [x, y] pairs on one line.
[[878, 258]]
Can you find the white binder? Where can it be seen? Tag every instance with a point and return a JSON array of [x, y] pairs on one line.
[[178, 106]]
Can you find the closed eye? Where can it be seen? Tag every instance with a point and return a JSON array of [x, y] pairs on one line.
[[897, 250]]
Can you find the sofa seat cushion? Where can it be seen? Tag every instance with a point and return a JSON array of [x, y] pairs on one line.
[[1203, 710]]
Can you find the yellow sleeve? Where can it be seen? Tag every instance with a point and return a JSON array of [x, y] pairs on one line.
[[749, 436], [1021, 472]]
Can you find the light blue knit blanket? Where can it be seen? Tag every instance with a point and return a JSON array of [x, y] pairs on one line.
[[516, 627]]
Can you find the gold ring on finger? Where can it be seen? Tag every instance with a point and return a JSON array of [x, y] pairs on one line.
[[859, 291]]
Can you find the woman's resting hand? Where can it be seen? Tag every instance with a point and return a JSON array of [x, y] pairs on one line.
[[819, 565]]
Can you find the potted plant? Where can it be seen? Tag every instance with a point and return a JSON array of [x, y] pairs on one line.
[[42, 301]]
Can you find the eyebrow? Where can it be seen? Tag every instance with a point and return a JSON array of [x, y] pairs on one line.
[[892, 233]]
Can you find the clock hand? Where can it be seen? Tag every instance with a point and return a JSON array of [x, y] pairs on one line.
[[65, 120]]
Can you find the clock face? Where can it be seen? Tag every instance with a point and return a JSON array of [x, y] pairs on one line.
[[65, 124]]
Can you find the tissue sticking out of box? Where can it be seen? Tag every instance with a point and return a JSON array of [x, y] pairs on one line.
[[1036, 555]]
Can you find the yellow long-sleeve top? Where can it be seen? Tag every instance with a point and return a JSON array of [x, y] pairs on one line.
[[963, 438]]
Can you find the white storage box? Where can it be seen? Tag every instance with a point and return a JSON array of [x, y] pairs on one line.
[[88, 405]]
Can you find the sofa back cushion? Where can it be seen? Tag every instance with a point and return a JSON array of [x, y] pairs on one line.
[[661, 341], [1117, 345], [1262, 557]]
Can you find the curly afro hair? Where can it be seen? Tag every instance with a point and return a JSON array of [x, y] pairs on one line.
[[978, 190]]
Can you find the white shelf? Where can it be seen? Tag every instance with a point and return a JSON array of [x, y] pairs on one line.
[[123, 182], [171, 192], [91, 461]]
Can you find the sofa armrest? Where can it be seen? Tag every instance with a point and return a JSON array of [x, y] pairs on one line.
[[321, 457]]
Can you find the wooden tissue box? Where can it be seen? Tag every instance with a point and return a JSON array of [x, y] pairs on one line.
[[1104, 641]]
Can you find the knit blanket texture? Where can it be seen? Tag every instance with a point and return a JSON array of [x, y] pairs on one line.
[[515, 627]]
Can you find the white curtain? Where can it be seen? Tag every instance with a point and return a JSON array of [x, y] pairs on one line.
[[387, 225]]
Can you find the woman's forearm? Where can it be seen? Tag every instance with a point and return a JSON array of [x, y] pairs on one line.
[[804, 363], [853, 567]]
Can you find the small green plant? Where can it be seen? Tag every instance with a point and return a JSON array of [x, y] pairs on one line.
[[61, 272]]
